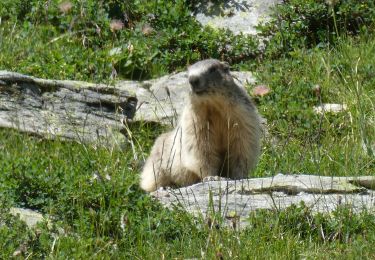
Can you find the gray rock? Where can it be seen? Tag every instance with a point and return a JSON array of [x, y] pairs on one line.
[[88, 112], [330, 108], [239, 16], [69, 109], [162, 99], [234, 200], [30, 217]]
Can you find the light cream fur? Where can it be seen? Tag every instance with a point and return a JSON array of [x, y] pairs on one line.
[[218, 133]]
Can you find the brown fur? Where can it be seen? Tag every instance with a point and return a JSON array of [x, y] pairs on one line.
[[218, 133]]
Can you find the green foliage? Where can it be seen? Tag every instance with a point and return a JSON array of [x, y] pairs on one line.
[[101, 39], [85, 191], [301, 140], [91, 195], [309, 23], [342, 225], [13, 9]]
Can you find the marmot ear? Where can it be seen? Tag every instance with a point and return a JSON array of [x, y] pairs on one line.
[[225, 66]]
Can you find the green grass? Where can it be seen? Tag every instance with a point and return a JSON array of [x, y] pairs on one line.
[[329, 144], [80, 44], [112, 218], [91, 195]]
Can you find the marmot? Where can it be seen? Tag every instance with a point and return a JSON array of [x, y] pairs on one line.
[[218, 133]]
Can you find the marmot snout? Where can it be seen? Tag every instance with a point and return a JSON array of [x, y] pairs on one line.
[[218, 133], [208, 76]]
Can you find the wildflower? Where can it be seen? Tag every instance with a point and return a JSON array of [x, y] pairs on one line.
[[116, 25], [65, 7]]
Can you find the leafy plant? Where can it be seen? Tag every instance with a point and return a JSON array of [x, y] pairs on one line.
[[90, 195], [111, 39], [309, 23]]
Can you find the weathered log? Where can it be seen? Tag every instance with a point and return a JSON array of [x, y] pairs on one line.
[[235, 199]]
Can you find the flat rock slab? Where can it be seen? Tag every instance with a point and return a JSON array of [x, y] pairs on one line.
[[87, 112], [238, 16], [235, 199], [70, 109], [162, 100]]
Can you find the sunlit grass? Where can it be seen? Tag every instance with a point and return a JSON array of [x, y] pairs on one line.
[[302, 141], [91, 196]]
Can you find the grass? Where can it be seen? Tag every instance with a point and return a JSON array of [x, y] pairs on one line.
[[80, 44], [328, 144], [91, 194]]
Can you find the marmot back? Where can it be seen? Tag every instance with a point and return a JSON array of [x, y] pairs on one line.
[[218, 133]]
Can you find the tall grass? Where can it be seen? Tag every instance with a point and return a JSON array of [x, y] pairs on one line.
[[90, 194], [329, 143]]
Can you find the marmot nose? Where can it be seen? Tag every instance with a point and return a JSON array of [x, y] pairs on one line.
[[194, 81]]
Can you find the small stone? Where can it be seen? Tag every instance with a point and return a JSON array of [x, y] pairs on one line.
[[115, 51], [330, 108], [17, 253], [95, 176], [30, 217]]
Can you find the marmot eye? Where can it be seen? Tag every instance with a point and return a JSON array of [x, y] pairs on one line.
[[212, 69], [225, 66]]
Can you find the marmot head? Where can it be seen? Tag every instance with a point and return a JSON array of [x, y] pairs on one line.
[[210, 76]]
